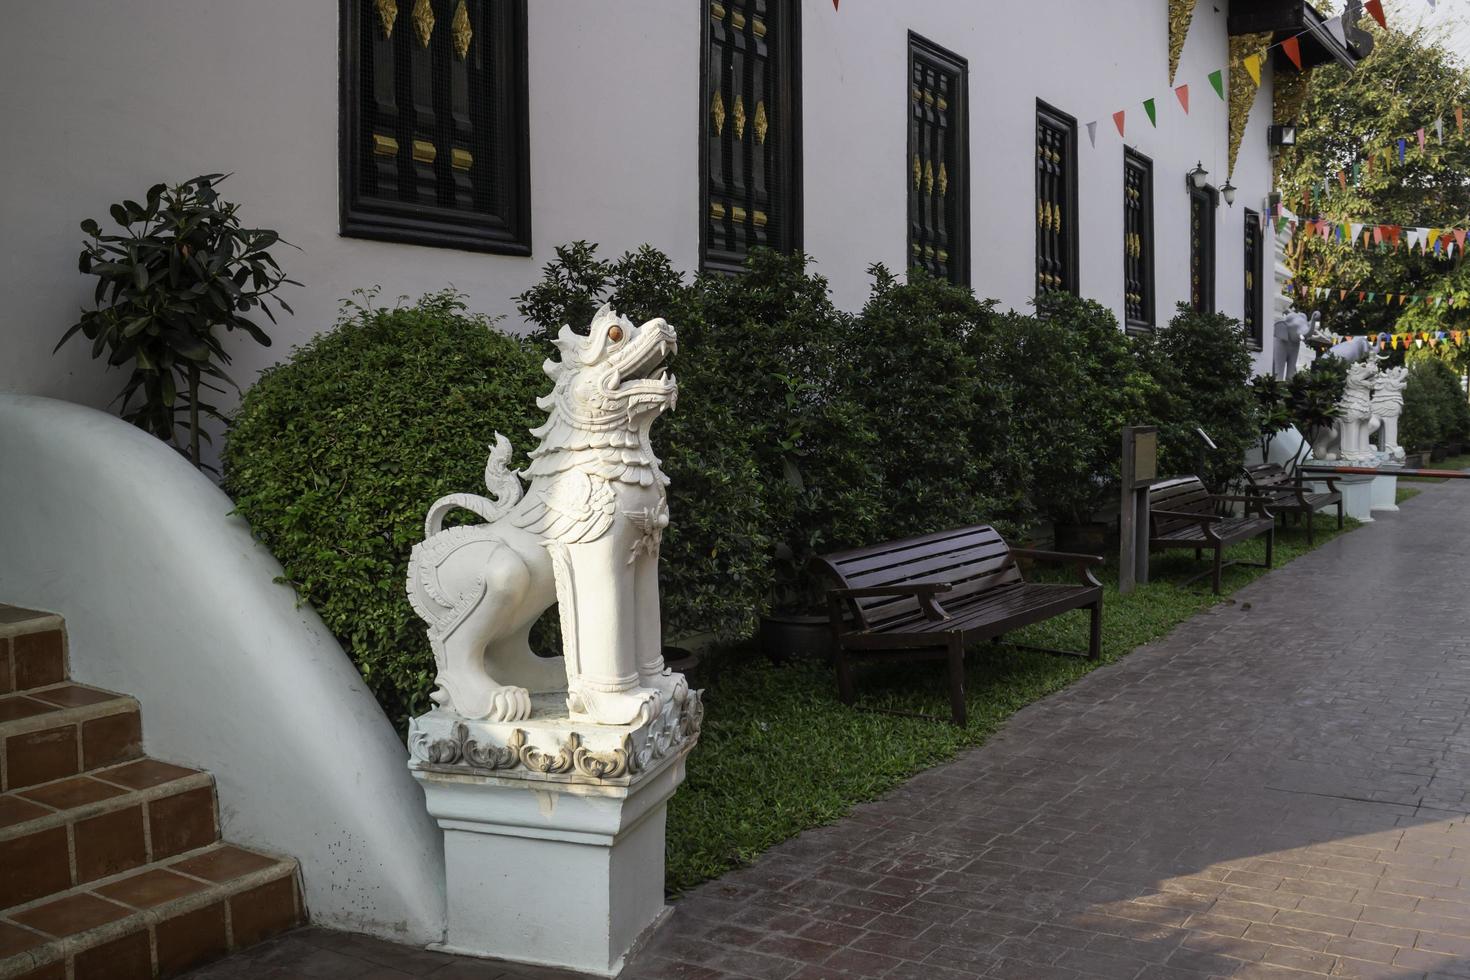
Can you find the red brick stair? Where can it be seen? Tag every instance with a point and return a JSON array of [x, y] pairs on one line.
[[111, 863]]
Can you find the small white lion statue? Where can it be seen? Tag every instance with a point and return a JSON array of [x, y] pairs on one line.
[[585, 534]]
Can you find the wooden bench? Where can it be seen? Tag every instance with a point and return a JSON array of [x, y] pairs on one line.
[[1285, 494], [929, 597], [1183, 514]]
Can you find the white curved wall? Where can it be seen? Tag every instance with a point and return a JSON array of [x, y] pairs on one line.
[[168, 598]]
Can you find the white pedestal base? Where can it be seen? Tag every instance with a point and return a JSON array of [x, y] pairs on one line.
[[1357, 494], [553, 837], [1385, 493]]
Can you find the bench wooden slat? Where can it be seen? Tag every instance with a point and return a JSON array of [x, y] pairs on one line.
[[1287, 495]]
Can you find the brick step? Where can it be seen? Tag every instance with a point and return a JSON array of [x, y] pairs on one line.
[[57, 835], [157, 921], [32, 649], [62, 729]]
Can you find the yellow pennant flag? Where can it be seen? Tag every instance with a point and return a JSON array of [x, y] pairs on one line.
[[1253, 68]]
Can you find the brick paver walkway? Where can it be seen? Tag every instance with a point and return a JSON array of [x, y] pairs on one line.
[[1277, 789]]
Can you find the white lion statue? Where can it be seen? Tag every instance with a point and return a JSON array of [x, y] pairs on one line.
[[1349, 439], [585, 534], [1388, 405]]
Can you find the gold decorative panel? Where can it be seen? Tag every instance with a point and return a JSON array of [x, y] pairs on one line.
[[762, 125], [461, 159], [739, 115], [918, 172], [387, 14], [928, 176], [384, 146], [943, 180], [460, 30], [1242, 92], [717, 113], [423, 21], [1181, 12], [423, 151]]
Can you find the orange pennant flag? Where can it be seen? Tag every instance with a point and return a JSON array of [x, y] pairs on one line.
[[1342, 294], [1182, 91], [1360, 297], [1118, 121], [1459, 119], [1293, 51], [1375, 9], [1342, 179]]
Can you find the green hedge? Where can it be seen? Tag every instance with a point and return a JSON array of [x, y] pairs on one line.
[[800, 428], [1435, 408]]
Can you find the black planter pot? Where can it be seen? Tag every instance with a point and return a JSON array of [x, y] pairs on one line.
[[786, 636], [680, 660], [1084, 539], [1438, 453]]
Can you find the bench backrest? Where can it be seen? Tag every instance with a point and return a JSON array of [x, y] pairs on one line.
[[1263, 475], [973, 559], [1182, 495]]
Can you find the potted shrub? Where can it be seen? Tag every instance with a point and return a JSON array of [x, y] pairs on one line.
[[1200, 366], [1076, 384], [1312, 401], [1272, 416], [182, 267]]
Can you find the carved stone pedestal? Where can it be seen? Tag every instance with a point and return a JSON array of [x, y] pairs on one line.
[[553, 829], [1385, 487]]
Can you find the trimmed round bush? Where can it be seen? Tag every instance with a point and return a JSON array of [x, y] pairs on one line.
[[335, 455]]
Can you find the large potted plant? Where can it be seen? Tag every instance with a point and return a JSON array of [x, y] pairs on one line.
[[182, 269], [1076, 385], [1312, 401]]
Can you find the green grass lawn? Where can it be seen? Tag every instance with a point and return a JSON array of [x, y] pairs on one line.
[[1403, 493], [779, 754]]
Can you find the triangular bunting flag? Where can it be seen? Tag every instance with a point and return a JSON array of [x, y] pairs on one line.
[[1253, 69], [1342, 179], [1092, 132], [1460, 119], [1357, 231], [1420, 134], [1403, 145], [1460, 237], [1360, 297], [1182, 92], [1118, 121], [1151, 111], [1293, 50], [1342, 294], [1439, 128], [1371, 297], [1375, 9], [1217, 81]]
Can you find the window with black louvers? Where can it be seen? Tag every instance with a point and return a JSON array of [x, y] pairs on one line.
[[750, 154], [1138, 240], [1253, 318], [1056, 201], [434, 127], [938, 178], [1201, 249]]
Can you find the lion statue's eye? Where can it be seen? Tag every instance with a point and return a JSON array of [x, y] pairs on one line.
[[615, 333]]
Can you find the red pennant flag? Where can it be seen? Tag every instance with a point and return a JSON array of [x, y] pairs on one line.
[[1182, 92], [1360, 297], [1377, 234], [1375, 9], [1420, 134], [835, 2], [1460, 237], [1293, 51], [1118, 121]]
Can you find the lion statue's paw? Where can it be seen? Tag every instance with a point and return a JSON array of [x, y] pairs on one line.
[[672, 687], [509, 704], [632, 707]]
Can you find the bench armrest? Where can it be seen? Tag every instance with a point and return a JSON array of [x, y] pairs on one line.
[[1083, 563], [924, 592]]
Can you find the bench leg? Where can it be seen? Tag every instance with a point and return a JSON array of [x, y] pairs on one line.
[[1198, 554], [1215, 570], [957, 680], [1271, 539], [1094, 639], [1311, 531], [845, 692], [1339, 515]]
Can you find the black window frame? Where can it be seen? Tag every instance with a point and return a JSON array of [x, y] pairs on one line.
[[1202, 204], [1048, 116], [786, 110], [506, 232], [1138, 220], [938, 239], [1253, 309]]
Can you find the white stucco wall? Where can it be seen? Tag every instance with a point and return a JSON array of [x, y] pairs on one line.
[[107, 98], [168, 598]]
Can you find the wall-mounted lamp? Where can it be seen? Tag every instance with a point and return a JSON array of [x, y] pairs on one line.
[[1198, 176], [1227, 191], [1282, 135]]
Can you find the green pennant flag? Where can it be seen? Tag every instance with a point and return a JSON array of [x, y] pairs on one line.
[[1217, 79], [1372, 297], [1148, 107]]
